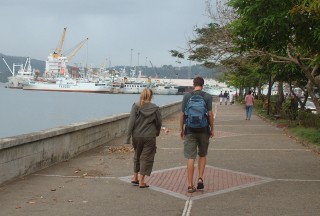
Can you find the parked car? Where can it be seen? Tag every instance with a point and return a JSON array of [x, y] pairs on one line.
[[310, 106]]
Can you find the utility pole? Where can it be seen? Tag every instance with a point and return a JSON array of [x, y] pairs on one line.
[[189, 71], [131, 58]]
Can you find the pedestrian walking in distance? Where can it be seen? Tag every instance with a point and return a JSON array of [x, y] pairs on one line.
[[144, 126], [249, 101], [196, 127], [221, 97], [231, 100], [225, 97]]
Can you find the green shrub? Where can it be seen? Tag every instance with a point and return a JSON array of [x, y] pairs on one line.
[[258, 104], [289, 110], [308, 119]]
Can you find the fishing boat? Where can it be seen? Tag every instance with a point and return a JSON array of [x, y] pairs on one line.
[[133, 88], [164, 89], [124, 85], [69, 85]]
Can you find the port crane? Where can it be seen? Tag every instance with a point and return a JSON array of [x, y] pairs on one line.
[[77, 48], [57, 52], [56, 62]]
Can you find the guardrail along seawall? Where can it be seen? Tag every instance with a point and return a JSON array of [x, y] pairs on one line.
[[28, 153]]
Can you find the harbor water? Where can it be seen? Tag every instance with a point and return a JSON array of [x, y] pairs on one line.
[[23, 111]]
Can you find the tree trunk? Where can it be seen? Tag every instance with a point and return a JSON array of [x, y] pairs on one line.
[[280, 98]]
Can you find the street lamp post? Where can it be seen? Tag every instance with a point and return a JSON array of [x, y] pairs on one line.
[[131, 59]]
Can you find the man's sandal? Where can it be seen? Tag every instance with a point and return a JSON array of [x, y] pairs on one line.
[[200, 185], [135, 182], [144, 186], [191, 189]]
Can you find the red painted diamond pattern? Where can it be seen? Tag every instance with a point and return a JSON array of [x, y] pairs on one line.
[[174, 182]]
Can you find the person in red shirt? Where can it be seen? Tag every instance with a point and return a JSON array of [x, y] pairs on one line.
[[249, 101]]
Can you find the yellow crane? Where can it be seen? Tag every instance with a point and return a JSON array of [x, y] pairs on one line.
[[78, 47], [57, 52]]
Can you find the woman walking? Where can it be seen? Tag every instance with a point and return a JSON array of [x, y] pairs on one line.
[[249, 101], [144, 126]]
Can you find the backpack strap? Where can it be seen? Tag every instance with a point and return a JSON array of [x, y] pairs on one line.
[[202, 94]]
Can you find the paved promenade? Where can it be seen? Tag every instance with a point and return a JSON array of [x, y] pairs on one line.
[[253, 169]]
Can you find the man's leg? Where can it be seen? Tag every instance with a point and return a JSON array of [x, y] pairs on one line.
[[190, 152], [201, 166], [203, 151], [190, 168]]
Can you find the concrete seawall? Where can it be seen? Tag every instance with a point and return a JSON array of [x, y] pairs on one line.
[[25, 154]]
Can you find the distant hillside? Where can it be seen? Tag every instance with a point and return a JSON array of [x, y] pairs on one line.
[[166, 71], [170, 72], [4, 71]]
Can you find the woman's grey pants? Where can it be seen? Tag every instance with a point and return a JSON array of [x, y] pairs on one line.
[[144, 152]]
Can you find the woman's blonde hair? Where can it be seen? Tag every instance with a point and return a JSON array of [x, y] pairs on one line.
[[145, 96]]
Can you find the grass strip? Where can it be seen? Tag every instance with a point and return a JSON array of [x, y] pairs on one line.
[[311, 135]]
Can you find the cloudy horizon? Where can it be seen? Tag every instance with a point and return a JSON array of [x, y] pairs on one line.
[[114, 27]]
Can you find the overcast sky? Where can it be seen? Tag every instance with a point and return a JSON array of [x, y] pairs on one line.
[[114, 27]]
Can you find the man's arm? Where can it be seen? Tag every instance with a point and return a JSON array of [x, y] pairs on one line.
[[181, 125], [211, 122]]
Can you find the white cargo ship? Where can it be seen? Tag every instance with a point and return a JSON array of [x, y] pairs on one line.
[[69, 85]]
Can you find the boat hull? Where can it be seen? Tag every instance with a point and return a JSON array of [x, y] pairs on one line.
[[79, 87]]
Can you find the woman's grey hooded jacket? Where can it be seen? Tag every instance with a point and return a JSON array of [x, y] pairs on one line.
[[144, 122]]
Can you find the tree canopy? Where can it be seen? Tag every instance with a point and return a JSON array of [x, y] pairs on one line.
[[288, 31], [263, 37]]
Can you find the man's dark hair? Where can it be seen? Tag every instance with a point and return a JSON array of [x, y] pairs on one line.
[[198, 81]]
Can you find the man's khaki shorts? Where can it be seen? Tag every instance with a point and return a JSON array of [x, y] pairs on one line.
[[196, 143]]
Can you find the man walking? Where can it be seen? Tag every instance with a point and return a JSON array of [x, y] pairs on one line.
[[231, 101], [225, 97], [221, 97], [196, 130]]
